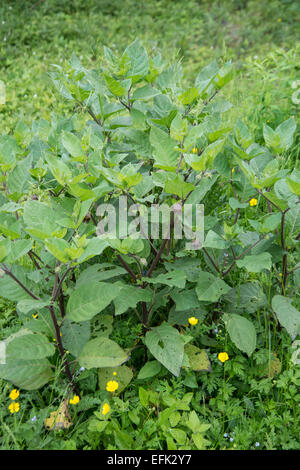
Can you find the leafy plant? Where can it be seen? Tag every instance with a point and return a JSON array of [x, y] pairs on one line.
[[138, 133]]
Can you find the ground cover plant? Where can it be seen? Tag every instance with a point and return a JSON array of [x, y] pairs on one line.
[[138, 343]]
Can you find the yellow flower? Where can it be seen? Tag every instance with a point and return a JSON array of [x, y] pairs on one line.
[[114, 373], [232, 170], [74, 400], [112, 386], [14, 394], [193, 321], [195, 150], [105, 409], [253, 202], [14, 407], [223, 356], [35, 315], [279, 19]]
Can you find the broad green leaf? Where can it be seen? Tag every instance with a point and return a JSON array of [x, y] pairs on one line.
[[27, 347], [241, 331], [165, 344], [256, 263], [28, 305], [114, 86], [28, 375], [213, 240], [89, 299], [288, 316], [102, 352], [189, 96], [198, 358], [58, 248], [178, 187], [40, 219], [129, 296], [18, 249], [164, 153], [149, 370], [75, 336], [139, 63], [294, 186], [144, 93], [247, 297], [172, 278], [73, 145], [5, 246], [61, 172], [210, 288]]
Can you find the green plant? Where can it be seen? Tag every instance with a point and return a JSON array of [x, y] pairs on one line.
[[137, 133]]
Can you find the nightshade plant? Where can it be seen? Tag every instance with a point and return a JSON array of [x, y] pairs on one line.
[[137, 133]]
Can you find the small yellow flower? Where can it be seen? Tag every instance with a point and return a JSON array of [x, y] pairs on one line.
[[14, 407], [35, 316], [14, 394], [74, 400], [112, 386], [223, 356], [114, 373], [232, 170], [193, 321], [253, 202], [279, 20], [105, 409], [195, 150]]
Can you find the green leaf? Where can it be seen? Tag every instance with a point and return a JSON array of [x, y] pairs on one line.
[[5, 246], [173, 279], [144, 93], [29, 375], [241, 331], [18, 249], [178, 187], [72, 144], [139, 63], [28, 305], [256, 263], [247, 297], [89, 299], [198, 358], [282, 138], [213, 240], [75, 336], [102, 352], [294, 186], [114, 86], [40, 220], [210, 288], [288, 316], [59, 169], [149, 370], [189, 96], [164, 154], [58, 248], [165, 344], [129, 296], [31, 346]]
